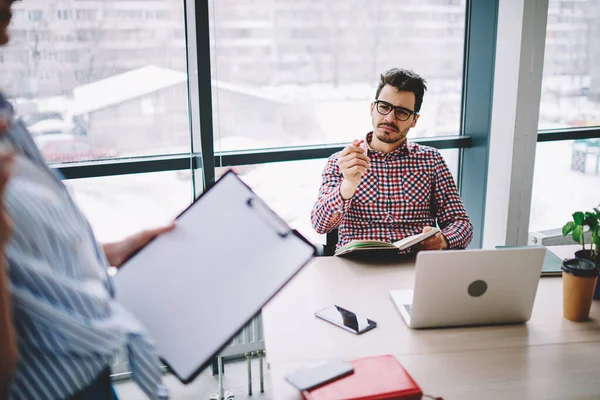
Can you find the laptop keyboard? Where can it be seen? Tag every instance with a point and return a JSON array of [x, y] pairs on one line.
[[408, 308]]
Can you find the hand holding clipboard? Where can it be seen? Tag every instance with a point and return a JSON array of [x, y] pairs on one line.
[[228, 238]]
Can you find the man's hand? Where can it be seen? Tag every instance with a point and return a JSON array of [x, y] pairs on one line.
[[436, 242], [8, 343], [4, 125], [6, 163], [118, 252], [353, 163]]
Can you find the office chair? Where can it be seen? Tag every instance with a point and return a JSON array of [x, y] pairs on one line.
[[331, 241]]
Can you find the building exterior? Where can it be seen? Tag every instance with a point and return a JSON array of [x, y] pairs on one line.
[[286, 41], [594, 49], [288, 71], [57, 45], [134, 111], [67, 43]]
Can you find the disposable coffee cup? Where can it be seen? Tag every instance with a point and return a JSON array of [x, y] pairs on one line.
[[579, 280]]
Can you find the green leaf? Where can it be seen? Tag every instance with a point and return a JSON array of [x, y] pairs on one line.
[[597, 212], [568, 228], [596, 237], [591, 220], [578, 217], [578, 234]]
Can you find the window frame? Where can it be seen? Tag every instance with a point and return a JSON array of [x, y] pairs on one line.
[[472, 140]]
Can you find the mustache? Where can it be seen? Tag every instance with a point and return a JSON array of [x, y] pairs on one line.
[[394, 127]]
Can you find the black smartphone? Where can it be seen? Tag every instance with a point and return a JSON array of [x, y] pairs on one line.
[[346, 319], [310, 378]]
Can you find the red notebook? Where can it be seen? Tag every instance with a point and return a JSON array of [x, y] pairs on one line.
[[374, 378]]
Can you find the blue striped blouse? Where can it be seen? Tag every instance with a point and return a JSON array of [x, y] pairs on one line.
[[68, 325]]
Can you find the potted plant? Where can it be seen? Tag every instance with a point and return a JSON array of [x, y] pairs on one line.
[[585, 222], [582, 223]]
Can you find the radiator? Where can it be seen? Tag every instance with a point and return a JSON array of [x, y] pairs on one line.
[[554, 237], [250, 339]]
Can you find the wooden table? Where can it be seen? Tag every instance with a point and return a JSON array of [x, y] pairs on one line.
[[547, 358]]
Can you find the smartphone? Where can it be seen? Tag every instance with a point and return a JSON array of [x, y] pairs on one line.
[[310, 378], [346, 319]]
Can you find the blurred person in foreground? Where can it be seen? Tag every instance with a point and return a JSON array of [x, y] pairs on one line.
[[8, 348], [384, 187], [54, 281]]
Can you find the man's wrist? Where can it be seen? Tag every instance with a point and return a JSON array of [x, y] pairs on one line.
[[109, 251], [347, 189], [446, 242]]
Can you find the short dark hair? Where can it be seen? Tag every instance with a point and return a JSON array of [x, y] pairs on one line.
[[404, 79]]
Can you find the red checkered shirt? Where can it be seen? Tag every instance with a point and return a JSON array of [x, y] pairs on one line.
[[402, 192]]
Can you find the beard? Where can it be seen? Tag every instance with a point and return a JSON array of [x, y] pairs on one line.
[[389, 137]]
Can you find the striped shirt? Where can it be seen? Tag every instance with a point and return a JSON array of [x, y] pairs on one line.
[[402, 192], [68, 325]]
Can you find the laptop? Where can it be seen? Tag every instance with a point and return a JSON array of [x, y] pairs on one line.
[[471, 287]]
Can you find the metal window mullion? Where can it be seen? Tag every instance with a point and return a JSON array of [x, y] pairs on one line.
[[229, 158], [553, 135], [461, 130], [112, 168], [478, 85], [191, 69], [205, 90], [248, 157]]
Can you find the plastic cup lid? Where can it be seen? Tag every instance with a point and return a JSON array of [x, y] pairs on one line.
[[580, 267]]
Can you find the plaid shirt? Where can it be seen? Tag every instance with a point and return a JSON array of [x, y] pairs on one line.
[[402, 192]]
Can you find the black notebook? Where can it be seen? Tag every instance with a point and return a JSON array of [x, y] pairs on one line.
[[552, 262]]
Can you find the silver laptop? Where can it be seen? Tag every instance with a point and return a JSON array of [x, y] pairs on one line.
[[471, 287]]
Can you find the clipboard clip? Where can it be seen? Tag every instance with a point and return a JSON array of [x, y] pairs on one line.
[[272, 219]]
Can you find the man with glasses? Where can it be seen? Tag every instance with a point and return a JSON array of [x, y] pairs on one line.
[[384, 187]]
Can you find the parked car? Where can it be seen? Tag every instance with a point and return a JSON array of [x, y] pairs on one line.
[[52, 126], [66, 148]]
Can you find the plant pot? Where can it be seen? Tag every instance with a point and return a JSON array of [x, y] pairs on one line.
[[589, 255]]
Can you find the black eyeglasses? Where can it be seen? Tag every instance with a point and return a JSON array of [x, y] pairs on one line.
[[401, 113]]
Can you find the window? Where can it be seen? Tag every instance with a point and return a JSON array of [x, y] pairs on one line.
[[118, 206], [35, 15], [86, 14], [566, 179], [124, 14], [567, 173], [63, 14], [81, 66], [285, 73], [110, 81], [315, 76], [571, 80]]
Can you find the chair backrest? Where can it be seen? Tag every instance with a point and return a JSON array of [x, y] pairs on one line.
[[330, 243]]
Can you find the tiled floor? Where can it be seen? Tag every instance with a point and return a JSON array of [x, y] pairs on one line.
[[235, 381]]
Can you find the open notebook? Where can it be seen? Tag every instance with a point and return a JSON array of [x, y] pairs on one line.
[[375, 245]]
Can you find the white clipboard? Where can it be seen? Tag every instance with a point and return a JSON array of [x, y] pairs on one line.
[[196, 287]]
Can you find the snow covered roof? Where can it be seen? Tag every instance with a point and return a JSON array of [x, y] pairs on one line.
[[123, 87], [139, 82]]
